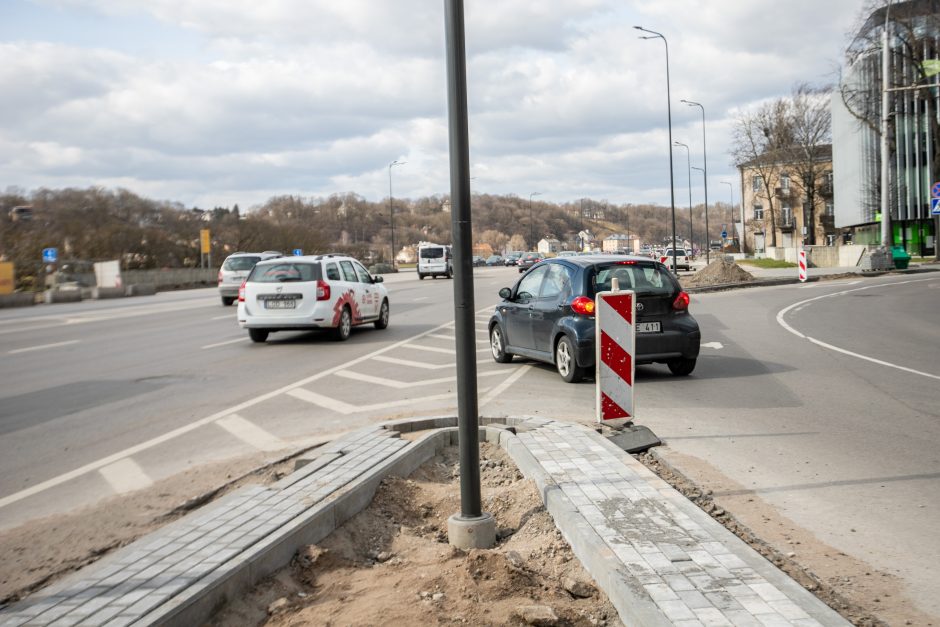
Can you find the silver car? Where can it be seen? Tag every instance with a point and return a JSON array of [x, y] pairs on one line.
[[235, 270]]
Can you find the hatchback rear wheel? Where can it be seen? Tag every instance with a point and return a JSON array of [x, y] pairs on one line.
[[258, 335], [566, 362], [344, 328], [681, 367]]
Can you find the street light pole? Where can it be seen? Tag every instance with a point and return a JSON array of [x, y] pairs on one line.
[[391, 207], [672, 187], [692, 103], [531, 221], [733, 229], [688, 158]]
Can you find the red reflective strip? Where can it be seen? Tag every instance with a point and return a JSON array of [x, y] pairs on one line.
[[616, 358], [623, 305], [611, 410]]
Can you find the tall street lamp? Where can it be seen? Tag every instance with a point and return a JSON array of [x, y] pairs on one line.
[[672, 190], [707, 240], [531, 222], [688, 157], [692, 103], [731, 195], [391, 209]]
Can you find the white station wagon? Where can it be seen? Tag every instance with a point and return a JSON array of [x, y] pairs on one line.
[[312, 292]]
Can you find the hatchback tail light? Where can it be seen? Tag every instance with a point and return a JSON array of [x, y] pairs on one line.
[[583, 305], [241, 292], [682, 302], [323, 290]]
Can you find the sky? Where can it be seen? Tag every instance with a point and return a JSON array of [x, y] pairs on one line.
[[217, 102]]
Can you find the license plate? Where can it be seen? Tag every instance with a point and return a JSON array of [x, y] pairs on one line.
[[648, 327], [282, 303]]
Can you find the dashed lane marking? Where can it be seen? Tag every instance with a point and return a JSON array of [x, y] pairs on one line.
[[251, 434], [216, 345], [346, 408], [42, 347], [228, 316], [125, 476]]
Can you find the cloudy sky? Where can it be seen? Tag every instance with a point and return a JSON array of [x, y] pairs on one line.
[[216, 102]]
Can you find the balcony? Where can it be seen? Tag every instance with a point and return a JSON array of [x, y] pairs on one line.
[[786, 226]]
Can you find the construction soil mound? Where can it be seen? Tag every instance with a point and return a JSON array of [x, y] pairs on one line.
[[719, 272]]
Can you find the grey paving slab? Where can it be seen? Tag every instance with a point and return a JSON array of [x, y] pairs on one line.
[[660, 559]]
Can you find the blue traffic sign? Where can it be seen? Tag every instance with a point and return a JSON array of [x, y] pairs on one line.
[[298, 252], [935, 190], [50, 255], [935, 206], [724, 235]]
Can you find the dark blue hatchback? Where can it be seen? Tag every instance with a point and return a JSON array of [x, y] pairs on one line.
[[548, 315]]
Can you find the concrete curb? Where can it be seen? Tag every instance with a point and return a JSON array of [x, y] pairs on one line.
[[17, 299]]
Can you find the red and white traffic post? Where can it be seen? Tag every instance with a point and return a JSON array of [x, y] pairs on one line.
[[802, 264], [615, 346]]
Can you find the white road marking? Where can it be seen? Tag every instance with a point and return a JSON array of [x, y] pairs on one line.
[[441, 336], [432, 349], [125, 475], [402, 385], [716, 345], [505, 385], [412, 364], [251, 434], [345, 408], [241, 339], [42, 347], [101, 315], [170, 435], [229, 316], [799, 305], [420, 298]]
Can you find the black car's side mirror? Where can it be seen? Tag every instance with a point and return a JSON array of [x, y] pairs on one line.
[[505, 293]]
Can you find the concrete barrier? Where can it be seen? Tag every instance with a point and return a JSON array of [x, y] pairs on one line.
[[62, 296], [99, 293], [140, 289], [18, 299]]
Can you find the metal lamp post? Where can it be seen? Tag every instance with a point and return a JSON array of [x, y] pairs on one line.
[[391, 207], [731, 195], [688, 158], [672, 190], [692, 103], [707, 240], [531, 221]]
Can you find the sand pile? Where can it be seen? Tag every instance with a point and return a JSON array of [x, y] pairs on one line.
[[719, 272]]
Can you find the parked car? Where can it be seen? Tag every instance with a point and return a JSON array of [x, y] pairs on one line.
[[513, 256], [333, 292], [681, 261], [235, 270], [494, 260], [548, 315], [528, 260], [478, 261]]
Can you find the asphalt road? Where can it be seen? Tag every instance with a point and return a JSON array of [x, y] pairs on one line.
[[819, 400]]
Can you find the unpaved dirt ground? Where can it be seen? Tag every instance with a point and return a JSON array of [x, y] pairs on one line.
[[391, 564], [718, 272]]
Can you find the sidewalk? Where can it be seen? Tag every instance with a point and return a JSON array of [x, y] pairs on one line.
[[660, 559]]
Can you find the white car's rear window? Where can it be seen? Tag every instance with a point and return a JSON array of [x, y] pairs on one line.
[[284, 272]]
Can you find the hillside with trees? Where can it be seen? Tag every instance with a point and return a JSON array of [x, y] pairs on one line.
[[98, 224]]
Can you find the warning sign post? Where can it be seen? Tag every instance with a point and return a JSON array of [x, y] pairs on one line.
[[615, 346]]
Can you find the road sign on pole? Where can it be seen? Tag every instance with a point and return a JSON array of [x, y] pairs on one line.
[[298, 252], [935, 190], [50, 255], [935, 206], [616, 346]]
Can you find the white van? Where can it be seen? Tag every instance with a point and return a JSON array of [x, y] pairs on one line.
[[435, 260]]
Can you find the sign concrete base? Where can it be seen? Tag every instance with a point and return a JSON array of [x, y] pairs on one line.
[[472, 533], [634, 438]]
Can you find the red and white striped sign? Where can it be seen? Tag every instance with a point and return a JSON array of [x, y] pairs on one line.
[[802, 264], [615, 347]]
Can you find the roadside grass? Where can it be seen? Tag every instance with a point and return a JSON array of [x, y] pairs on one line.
[[766, 263]]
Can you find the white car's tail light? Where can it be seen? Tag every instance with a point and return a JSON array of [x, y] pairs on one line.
[[323, 290], [241, 292]]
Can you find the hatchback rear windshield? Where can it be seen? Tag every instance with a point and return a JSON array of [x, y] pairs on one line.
[[432, 253], [285, 272], [645, 280], [240, 264]]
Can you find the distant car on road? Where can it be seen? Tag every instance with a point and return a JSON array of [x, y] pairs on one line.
[[528, 260], [312, 292], [512, 257], [235, 270], [478, 261], [494, 260], [681, 260], [548, 315]]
